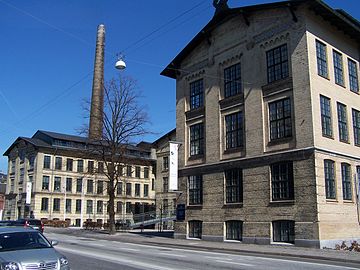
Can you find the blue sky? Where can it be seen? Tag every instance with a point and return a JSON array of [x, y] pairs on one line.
[[47, 55]]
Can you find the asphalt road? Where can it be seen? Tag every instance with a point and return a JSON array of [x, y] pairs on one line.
[[86, 253]]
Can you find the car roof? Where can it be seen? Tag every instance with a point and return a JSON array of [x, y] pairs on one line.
[[16, 229]]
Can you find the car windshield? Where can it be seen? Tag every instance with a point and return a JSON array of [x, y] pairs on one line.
[[22, 240]]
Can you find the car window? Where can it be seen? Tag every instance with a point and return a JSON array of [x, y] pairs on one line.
[[22, 240], [34, 222]]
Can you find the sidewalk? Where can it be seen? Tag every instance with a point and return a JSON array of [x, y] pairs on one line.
[[153, 238]]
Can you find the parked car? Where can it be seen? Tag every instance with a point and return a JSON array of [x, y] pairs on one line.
[[36, 224], [7, 223], [27, 248]]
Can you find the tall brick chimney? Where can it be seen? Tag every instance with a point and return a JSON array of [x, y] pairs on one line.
[[97, 98]]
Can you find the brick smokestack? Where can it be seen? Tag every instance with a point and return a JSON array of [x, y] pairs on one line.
[[97, 98]]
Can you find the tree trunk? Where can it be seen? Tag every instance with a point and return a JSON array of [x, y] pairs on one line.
[[111, 203]]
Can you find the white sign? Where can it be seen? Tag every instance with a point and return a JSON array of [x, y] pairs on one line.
[[173, 166], [28, 192]]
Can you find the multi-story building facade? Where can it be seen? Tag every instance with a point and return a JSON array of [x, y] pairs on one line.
[[68, 183], [166, 199], [268, 110]]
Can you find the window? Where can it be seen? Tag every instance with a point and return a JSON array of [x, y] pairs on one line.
[[338, 68], [119, 207], [321, 59], [342, 122], [119, 188], [58, 163], [45, 182], [45, 204], [80, 165], [78, 206], [128, 189], [56, 205], [282, 181], [47, 160], [68, 205], [31, 162], [234, 130], [128, 207], [329, 170], [195, 190], [353, 76], [234, 189], [89, 207], [165, 184], [79, 185], [100, 167], [68, 184], [90, 166], [146, 190], [153, 184], [277, 63], [232, 80], [346, 181], [326, 116], [234, 230], [195, 229], [356, 126], [57, 184], [196, 94], [137, 172], [284, 231], [165, 206], [280, 119], [69, 164], [146, 172], [165, 163], [137, 190], [100, 187], [99, 206], [120, 169], [128, 171], [90, 186], [197, 139]]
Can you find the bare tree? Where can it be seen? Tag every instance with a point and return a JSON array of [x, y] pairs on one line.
[[124, 120]]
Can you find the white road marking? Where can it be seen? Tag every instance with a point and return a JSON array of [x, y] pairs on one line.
[[237, 263], [172, 255], [117, 259]]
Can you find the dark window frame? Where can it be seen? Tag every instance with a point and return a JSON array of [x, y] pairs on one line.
[[277, 61], [47, 162], [356, 126], [196, 94], [284, 231], [346, 181], [326, 121], [56, 205], [234, 130], [329, 174], [282, 181], [233, 186], [45, 182], [321, 55], [44, 204], [234, 230], [195, 189], [232, 80], [58, 163], [197, 138], [353, 76], [342, 122], [338, 68], [195, 229], [280, 119]]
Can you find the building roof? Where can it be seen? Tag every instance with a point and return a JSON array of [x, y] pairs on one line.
[[338, 18], [54, 140], [167, 135]]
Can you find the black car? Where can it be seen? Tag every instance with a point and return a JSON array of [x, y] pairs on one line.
[[28, 222]]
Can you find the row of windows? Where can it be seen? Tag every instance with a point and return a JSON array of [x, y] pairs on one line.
[[326, 121], [91, 169], [322, 66], [280, 126], [283, 230], [130, 208], [346, 180], [282, 183], [79, 183], [277, 69]]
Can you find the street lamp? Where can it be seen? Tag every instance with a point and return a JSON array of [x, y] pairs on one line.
[[120, 64]]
